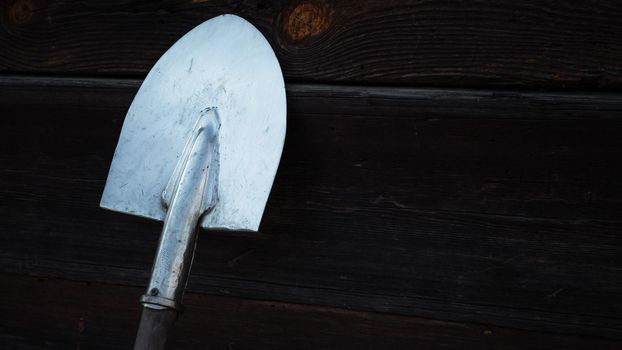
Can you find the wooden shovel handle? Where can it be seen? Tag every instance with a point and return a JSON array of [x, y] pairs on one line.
[[154, 328]]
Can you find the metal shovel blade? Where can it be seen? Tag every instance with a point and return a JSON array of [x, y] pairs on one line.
[[224, 63]]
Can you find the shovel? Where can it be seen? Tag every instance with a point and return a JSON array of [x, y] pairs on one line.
[[199, 148]]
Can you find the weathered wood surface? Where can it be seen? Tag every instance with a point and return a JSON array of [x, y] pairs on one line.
[[58, 314], [558, 44], [469, 206]]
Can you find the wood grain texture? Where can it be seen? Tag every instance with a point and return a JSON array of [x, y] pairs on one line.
[[552, 44], [59, 314], [154, 328], [478, 207]]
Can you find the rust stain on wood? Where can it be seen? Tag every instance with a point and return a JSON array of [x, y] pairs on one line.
[[60, 58], [81, 325]]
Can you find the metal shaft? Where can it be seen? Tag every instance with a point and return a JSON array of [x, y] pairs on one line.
[[190, 193]]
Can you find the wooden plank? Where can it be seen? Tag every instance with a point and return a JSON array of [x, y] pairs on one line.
[[488, 43], [60, 314], [432, 144], [507, 214]]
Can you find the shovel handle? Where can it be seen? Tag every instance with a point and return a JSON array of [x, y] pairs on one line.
[[155, 326]]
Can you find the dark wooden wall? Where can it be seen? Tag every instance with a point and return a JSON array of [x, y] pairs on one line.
[[451, 178]]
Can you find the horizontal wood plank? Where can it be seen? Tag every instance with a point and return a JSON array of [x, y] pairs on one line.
[[482, 206], [59, 314], [557, 44]]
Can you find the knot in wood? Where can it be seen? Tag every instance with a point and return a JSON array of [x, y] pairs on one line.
[[20, 11], [306, 20]]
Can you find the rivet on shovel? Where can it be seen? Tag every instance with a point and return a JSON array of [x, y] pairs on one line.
[[199, 147]]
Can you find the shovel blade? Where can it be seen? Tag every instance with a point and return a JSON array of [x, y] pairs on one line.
[[224, 63]]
